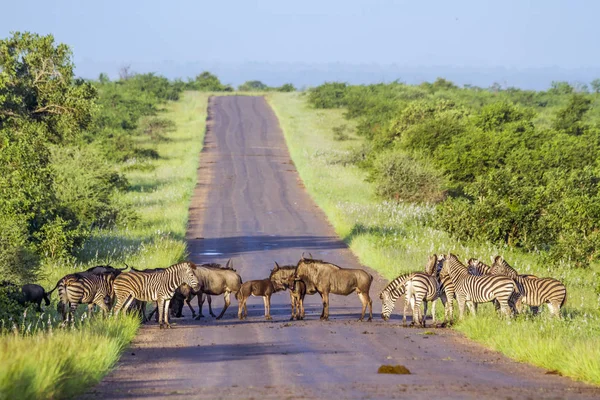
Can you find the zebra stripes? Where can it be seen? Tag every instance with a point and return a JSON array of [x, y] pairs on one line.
[[534, 291], [87, 289], [390, 294], [477, 267], [422, 288], [157, 286], [472, 289]]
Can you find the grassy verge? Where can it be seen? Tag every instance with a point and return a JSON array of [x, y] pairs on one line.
[[42, 361], [396, 237]]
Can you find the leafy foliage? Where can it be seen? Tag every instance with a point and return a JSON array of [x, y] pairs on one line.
[[207, 82], [519, 167]]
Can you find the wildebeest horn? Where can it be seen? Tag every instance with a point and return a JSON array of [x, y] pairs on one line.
[[276, 266], [123, 269], [229, 264]]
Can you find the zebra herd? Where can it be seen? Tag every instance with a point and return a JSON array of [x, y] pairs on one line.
[[447, 278]]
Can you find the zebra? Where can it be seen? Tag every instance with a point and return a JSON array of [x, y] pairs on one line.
[[476, 267], [447, 292], [534, 291], [418, 287], [390, 294], [90, 289], [471, 289], [422, 288], [157, 286]]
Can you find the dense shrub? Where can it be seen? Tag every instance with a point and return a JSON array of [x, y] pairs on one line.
[[402, 177], [519, 167], [328, 95]]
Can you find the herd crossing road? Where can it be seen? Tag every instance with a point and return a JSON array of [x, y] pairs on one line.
[[250, 206]]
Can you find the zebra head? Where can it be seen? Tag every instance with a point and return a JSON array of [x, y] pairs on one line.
[[190, 277], [387, 304]]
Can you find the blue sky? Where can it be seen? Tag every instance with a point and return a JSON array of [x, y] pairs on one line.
[[172, 36]]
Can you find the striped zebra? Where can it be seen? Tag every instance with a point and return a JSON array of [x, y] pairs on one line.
[[447, 292], [417, 287], [90, 289], [534, 291], [157, 286], [422, 288], [472, 289], [391, 293], [476, 267]]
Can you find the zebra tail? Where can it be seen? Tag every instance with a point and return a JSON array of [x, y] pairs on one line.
[[564, 301], [50, 292]]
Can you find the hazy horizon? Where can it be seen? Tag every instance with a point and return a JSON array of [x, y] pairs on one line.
[[526, 44]]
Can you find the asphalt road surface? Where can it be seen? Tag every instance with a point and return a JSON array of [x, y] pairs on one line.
[[250, 206]]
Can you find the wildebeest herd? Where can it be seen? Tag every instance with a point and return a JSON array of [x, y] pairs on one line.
[[444, 277]]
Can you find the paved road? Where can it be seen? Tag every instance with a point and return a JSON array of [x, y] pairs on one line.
[[251, 206]]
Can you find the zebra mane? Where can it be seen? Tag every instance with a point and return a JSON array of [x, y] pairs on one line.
[[501, 267], [397, 282], [182, 265]]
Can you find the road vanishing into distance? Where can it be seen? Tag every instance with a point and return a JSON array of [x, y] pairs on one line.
[[250, 205]]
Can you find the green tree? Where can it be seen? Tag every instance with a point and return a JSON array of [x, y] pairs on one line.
[[41, 104], [207, 82], [253, 86], [595, 84], [287, 87], [569, 118]]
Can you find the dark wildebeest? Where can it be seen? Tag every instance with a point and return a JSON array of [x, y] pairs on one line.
[[217, 281], [325, 278], [262, 287], [28, 293], [284, 278]]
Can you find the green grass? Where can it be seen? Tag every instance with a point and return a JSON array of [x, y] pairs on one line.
[[393, 238], [40, 360]]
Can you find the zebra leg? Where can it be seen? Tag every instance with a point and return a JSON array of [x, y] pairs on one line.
[[90, 310], [554, 308], [161, 309], [461, 307], [424, 319], [209, 299], [472, 307], [227, 303], [166, 312], [406, 304], [433, 317]]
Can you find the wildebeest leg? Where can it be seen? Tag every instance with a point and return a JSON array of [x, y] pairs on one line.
[[227, 302], [209, 299], [189, 303], [267, 300], [325, 313], [292, 305], [300, 302], [364, 302], [241, 303]]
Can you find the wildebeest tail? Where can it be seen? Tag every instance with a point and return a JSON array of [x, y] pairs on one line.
[[46, 299]]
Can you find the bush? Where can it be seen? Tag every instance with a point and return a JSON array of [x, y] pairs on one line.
[[18, 259], [402, 177], [328, 95]]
